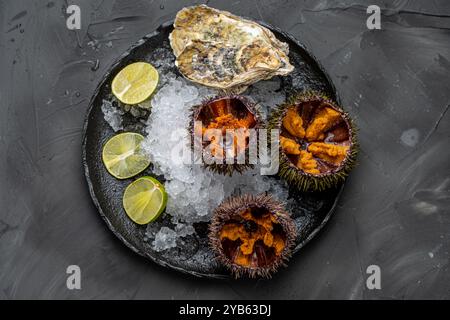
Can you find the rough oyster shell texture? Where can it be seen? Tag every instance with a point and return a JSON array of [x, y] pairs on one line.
[[218, 49]]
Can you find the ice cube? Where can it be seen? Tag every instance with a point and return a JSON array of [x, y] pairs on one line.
[[112, 115]]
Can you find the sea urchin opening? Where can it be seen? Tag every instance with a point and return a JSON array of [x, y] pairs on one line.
[[222, 124], [252, 235], [317, 139]]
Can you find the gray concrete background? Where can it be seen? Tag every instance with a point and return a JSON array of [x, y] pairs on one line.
[[395, 209]]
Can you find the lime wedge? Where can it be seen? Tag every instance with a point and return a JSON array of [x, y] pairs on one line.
[[135, 83], [122, 155], [144, 200]]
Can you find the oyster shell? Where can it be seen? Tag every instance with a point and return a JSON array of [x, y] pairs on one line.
[[218, 49]]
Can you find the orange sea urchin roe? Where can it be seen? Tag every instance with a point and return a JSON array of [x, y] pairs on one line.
[[237, 231], [289, 146], [323, 121], [293, 123], [229, 121], [331, 153], [226, 122], [315, 139], [307, 163], [266, 220]]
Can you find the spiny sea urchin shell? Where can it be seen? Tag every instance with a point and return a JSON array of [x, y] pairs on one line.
[[252, 235], [230, 116], [318, 144]]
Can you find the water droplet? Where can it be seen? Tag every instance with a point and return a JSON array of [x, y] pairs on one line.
[[410, 137], [161, 7]]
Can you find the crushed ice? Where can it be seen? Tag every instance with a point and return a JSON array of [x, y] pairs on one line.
[[165, 238], [267, 94], [112, 114]]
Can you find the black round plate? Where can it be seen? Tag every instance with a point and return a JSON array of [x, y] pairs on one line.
[[193, 256]]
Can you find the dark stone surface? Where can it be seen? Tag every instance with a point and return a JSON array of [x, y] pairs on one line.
[[395, 208]]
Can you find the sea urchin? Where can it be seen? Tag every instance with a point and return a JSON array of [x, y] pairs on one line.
[[318, 143], [252, 235], [221, 125]]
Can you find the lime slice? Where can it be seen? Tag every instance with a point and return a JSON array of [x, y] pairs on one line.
[[135, 83], [144, 200], [122, 155]]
